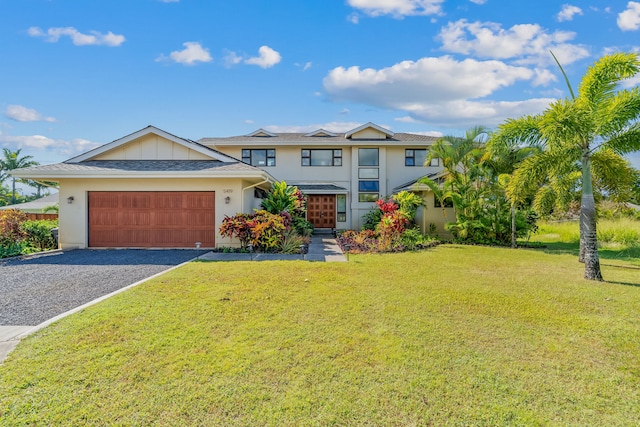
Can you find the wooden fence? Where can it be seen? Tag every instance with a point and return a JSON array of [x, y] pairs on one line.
[[36, 216]]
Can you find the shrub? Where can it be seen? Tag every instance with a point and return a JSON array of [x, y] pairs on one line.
[[261, 229], [285, 198], [303, 227], [267, 231], [10, 249], [372, 218], [408, 203], [10, 226], [237, 226], [38, 234], [292, 243]]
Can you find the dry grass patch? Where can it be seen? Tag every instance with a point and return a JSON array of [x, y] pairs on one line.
[[456, 335]]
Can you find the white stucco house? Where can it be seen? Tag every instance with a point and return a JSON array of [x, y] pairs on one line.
[[154, 189]]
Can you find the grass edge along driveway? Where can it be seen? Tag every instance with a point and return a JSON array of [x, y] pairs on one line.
[[455, 335]]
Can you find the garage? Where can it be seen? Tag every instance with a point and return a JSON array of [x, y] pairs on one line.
[[151, 219]]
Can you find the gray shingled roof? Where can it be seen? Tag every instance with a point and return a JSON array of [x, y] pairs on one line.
[[144, 166], [408, 185], [35, 206], [320, 187], [339, 139]]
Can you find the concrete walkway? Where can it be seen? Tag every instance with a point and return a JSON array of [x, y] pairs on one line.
[[323, 247]]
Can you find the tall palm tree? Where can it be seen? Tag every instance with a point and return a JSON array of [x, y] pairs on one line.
[[12, 160], [577, 129]]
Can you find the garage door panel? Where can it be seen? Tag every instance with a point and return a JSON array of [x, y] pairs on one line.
[[137, 200], [133, 218], [169, 219], [151, 219]]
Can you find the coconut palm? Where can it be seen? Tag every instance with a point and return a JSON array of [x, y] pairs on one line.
[[575, 130], [12, 160]]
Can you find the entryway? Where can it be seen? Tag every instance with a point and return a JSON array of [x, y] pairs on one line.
[[321, 210]]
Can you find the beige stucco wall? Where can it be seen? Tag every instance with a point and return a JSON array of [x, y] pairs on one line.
[[73, 218], [428, 214], [152, 147]]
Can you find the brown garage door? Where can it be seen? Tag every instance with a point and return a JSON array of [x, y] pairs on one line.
[[151, 219]]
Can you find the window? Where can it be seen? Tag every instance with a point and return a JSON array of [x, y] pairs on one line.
[[448, 203], [368, 173], [342, 207], [321, 157], [368, 191], [368, 186], [415, 157], [259, 157], [368, 197], [368, 157]]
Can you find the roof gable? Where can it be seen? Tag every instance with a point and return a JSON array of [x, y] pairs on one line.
[[152, 143], [321, 133], [262, 133], [369, 131]]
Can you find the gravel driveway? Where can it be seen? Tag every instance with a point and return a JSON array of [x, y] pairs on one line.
[[37, 289]]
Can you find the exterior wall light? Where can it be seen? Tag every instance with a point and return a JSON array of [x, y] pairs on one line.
[[227, 200], [70, 199]]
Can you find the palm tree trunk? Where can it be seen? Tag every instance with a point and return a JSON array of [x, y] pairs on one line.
[[588, 235], [13, 191], [514, 243]]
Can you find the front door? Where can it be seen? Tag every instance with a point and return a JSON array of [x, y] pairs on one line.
[[321, 210]]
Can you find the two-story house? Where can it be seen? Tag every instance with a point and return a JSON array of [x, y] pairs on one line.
[[341, 173], [155, 189]]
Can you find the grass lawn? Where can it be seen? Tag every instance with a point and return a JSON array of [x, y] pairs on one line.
[[454, 335]]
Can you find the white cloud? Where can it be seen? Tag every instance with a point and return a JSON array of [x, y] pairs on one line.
[[632, 82], [266, 58], [524, 43], [307, 66], [78, 38], [192, 53], [39, 143], [568, 12], [169, 1], [344, 112], [629, 20], [478, 1], [397, 8], [442, 89], [434, 133], [330, 126], [231, 58], [406, 119], [24, 114]]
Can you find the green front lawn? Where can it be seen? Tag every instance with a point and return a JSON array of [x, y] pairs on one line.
[[454, 335]]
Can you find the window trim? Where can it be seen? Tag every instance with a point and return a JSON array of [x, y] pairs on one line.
[[267, 156], [336, 157], [377, 163]]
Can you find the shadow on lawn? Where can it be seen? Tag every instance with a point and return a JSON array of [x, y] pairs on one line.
[[631, 253]]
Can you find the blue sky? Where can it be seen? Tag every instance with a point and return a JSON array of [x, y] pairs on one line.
[[78, 74]]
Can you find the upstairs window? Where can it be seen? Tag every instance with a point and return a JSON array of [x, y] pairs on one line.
[[258, 157], [368, 157], [321, 157], [418, 157]]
